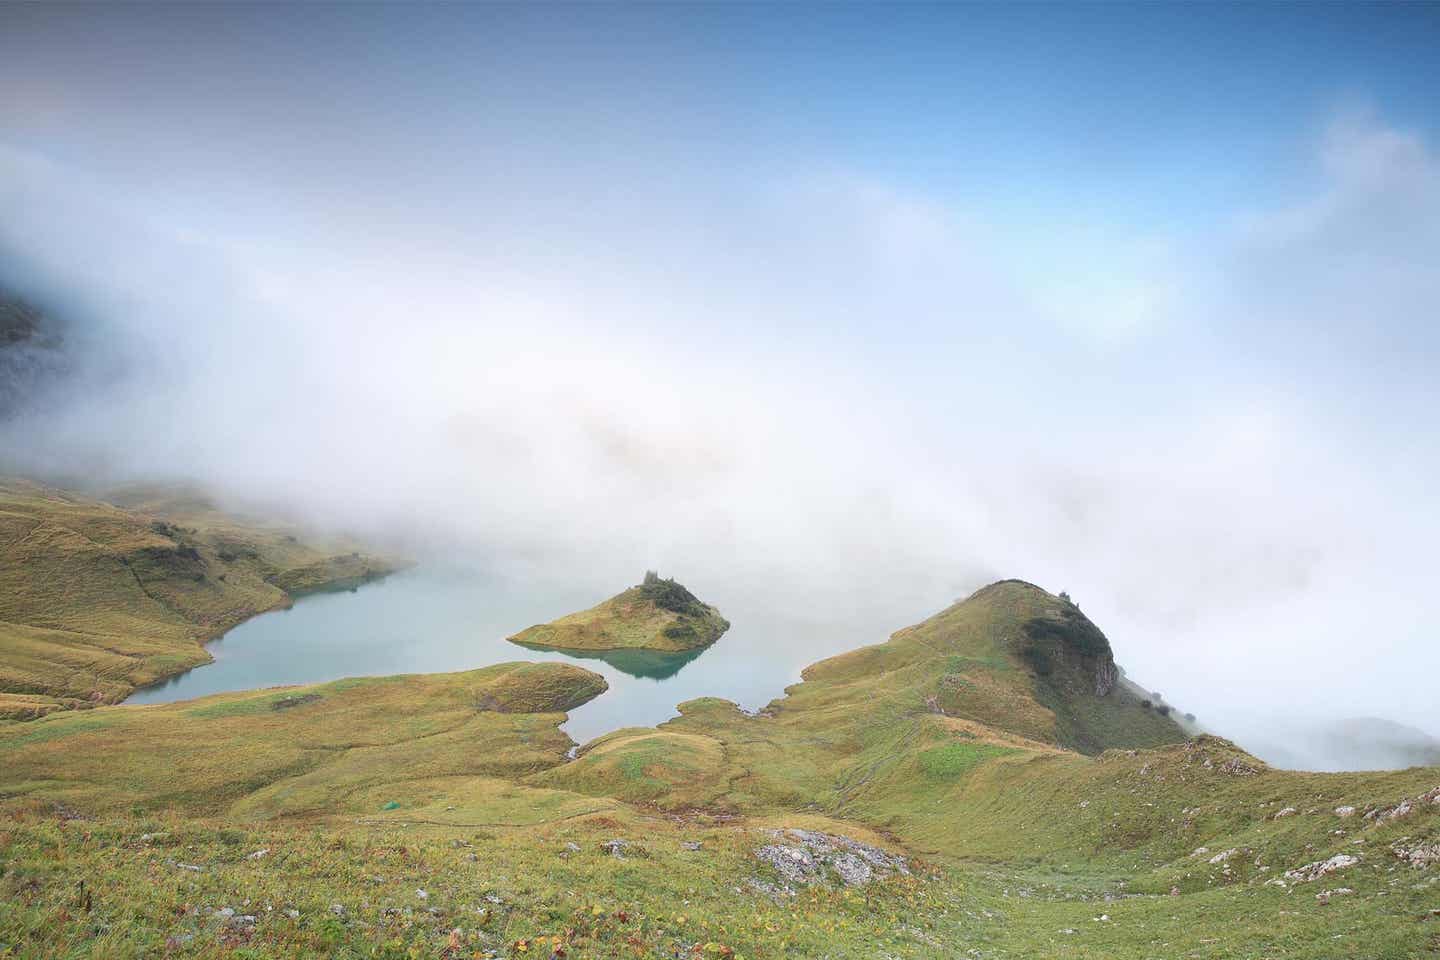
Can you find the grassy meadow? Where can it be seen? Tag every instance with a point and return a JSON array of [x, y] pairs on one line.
[[979, 785]]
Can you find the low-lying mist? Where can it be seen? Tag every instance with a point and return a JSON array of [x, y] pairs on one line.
[[835, 397]]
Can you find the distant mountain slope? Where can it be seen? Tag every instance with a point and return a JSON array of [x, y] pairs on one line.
[[1355, 743], [97, 599], [32, 359]]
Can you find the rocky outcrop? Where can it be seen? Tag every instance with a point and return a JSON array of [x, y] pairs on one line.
[[1417, 853], [1321, 868], [1405, 807], [1107, 674], [812, 857]]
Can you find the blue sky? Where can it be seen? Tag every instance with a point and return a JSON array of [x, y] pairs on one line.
[[1133, 300], [1024, 109]]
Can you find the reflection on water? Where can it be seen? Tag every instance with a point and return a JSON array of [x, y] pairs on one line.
[[434, 620], [651, 664]]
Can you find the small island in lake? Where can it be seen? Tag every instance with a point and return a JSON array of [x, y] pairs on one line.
[[658, 614]]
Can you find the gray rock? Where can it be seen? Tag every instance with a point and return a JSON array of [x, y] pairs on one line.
[[816, 854], [793, 863], [1417, 854], [1321, 868], [852, 870]]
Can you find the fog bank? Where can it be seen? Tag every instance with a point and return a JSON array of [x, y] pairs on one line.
[[780, 370]]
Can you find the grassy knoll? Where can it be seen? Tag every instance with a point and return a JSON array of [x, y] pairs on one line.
[[323, 748], [438, 816], [656, 615], [98, 598]]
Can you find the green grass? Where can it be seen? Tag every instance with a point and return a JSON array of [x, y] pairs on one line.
[[956, 759], [123, 829], [518, 892]]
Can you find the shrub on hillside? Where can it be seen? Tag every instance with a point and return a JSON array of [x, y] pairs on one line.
[[669, 595]]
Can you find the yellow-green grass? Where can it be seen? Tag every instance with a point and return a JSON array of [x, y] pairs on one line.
[[642, 765], [151, 886], [98, 599], [364, 792], [632, 620], [870, 715], [324, 748]]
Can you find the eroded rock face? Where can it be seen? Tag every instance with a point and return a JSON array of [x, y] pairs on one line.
[[812, 856], [1106, 676]]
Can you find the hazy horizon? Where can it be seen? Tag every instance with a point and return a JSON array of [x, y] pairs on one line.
[[850, 308]]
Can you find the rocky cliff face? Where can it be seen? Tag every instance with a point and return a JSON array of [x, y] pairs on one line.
[[1064, 639], [1071, 671]]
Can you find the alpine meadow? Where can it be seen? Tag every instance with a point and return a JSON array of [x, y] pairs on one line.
[[837, 481]]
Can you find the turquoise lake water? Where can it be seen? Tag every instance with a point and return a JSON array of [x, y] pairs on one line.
[[428, 620]]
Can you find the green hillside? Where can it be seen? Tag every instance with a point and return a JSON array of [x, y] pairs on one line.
[[99, 598], [979, 785]]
